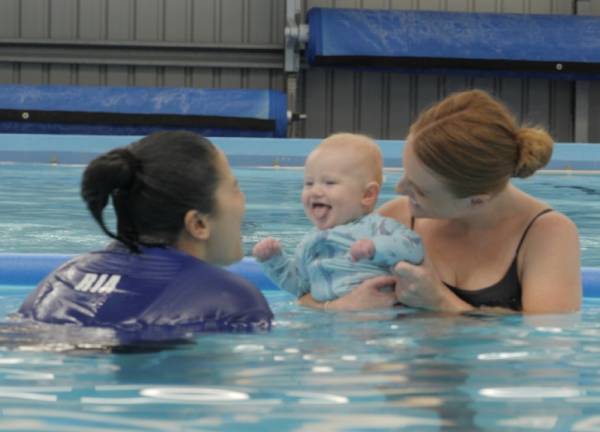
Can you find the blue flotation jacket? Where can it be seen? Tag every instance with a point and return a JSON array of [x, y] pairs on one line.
[[160, 287]]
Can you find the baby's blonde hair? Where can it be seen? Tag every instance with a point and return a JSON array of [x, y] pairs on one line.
[[362, 147]]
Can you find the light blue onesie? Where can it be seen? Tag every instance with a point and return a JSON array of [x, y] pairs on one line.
[[322, 265]]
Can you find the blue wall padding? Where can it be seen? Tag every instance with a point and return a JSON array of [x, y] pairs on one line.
[[30, 269], [29, 109], [509, 44]]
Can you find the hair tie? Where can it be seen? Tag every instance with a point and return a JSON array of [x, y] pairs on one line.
[[133, 163]]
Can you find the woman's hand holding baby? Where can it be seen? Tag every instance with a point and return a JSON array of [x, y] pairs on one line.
[[420, 286], [362, 249], [370, 294], [266, 249]]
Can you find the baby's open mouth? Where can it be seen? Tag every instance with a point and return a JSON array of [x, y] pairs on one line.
[[320, 210]]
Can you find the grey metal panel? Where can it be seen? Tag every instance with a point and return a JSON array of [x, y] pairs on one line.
[[258, 26], [177, 20], [63, 19], [32, 74], [511, 92], [175, 77], [277, 21], [307, 4], [118, 76], [148, 20], [92, 19], [7, 73], [455, 83], [120, 20], [230, 78], [403, 4], [146, 77], [61, 74], [400, 107], [346, 4], [316, 101], [537, 103], [485, 6], [205, 20], [165, 54], [430, 5], [89, 75], [34, 18], [428, 91], [9, 18], [458, 5], [258, 79], [203, 78], [561, 115], [344, 104], [372, 113], [277, 80], [232, 21]]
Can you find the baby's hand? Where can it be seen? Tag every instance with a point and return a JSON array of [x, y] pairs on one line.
[[266, 249], [362, 249]]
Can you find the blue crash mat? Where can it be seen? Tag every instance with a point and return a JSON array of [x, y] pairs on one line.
[[550, 46], [140, 110]]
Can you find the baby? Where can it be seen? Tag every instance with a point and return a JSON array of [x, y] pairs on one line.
[[351, 242]]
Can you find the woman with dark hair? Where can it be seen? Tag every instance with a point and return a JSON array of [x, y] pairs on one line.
[[179, 213], [487, 243]]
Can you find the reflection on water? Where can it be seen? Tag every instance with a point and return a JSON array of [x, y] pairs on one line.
[[382, 370]]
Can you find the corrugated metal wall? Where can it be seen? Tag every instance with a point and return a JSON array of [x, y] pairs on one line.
[[252, 22], [380, 104]]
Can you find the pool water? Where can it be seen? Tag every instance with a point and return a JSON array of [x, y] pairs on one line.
[[42, 210], [315, 371], [385, 370]]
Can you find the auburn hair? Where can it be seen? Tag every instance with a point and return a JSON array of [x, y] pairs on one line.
[[473, 142]]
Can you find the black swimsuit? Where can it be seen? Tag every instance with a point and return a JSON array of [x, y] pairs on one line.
[[507, 292]]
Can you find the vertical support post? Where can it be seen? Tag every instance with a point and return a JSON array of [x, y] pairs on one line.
[[296, 34], [582, 90]]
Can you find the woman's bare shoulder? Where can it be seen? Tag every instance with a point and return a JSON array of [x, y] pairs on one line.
[[551, 228], [398, 209], [550, 267]]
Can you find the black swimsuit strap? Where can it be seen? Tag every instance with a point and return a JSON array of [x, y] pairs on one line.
[[543, 212]]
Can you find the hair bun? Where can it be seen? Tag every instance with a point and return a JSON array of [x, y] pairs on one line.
[[535, 150]]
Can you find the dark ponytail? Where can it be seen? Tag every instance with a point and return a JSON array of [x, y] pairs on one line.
[[153, 183]]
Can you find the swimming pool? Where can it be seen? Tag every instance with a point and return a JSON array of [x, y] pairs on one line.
[[37, 199], [384, 370]]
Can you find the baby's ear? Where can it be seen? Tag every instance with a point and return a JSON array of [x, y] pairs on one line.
[[370, 194]]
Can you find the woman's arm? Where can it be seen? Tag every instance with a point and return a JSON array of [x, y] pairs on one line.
[[550, 267], [368, 295]]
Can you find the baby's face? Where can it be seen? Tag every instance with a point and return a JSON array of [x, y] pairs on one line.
[[333, 189]]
